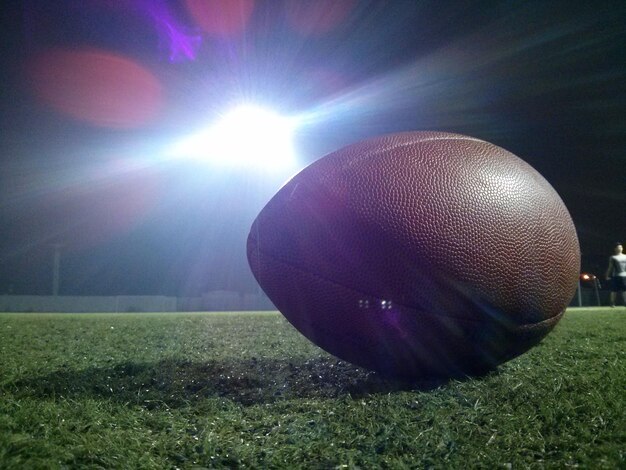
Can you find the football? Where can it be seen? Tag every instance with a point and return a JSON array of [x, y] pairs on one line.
[[418, 254]]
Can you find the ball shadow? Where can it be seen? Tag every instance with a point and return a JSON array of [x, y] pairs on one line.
[[173, 383]]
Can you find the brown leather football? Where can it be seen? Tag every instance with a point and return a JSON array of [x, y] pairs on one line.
[[418, 254]]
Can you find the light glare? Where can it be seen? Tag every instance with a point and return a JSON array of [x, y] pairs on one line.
[[247, 136]]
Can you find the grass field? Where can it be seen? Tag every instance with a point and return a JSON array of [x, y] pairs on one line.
[[246, 390]]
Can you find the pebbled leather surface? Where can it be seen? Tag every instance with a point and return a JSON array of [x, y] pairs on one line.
[[472, 251]]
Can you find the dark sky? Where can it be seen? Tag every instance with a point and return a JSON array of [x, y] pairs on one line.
[[94, 90]]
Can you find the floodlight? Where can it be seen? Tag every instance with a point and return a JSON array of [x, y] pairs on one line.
[[247, 136]]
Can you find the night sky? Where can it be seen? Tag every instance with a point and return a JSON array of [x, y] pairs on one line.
[[93, 91]]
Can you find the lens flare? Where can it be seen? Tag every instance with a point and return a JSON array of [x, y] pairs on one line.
[[96, 86], [318, 17], [221, 17]]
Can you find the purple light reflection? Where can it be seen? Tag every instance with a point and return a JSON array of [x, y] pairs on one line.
[[392, 317], [181, 44]]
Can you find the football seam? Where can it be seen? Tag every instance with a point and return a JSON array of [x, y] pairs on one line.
[[519, 328], [448, 136]]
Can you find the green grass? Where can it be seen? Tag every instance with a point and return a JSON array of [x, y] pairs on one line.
[[246, 390]]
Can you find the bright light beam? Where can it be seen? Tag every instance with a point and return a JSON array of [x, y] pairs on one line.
[[248, 136], [454, 78]]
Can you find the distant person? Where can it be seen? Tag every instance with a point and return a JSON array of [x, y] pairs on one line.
[[616, 274]]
